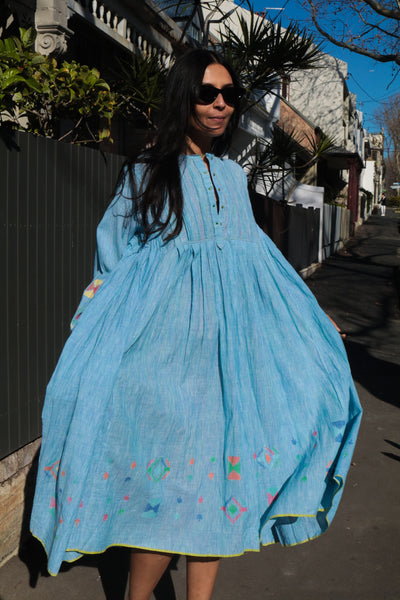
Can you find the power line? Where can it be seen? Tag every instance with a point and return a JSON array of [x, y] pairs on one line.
[[361, 88]]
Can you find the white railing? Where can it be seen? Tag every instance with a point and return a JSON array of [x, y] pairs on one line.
[[122, 29]]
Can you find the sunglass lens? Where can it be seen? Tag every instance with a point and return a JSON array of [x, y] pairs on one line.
[[208, 94], [230, 95]]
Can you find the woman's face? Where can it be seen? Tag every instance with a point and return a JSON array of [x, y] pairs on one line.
[[211, 120]]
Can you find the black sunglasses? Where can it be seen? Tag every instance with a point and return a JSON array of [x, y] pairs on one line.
[[208, 94]]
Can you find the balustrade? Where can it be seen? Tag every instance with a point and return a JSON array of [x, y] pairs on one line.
[[119, 25]]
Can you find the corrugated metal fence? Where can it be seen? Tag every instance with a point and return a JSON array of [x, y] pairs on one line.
[[51, 197], [294, 229]]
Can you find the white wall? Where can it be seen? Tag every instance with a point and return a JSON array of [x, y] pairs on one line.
[[319, 95], [368, 176]]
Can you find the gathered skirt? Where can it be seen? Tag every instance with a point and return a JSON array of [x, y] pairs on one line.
[[203, 405]]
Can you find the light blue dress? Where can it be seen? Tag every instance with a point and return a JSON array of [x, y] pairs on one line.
[[203, 403]]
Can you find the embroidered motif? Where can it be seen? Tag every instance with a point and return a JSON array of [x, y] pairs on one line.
[[152, 508], [53, 468], [233, 509], [234, 468], [53, 506], [158, 469], [267, 457], [92, 288], [272, 494], [328, 466]]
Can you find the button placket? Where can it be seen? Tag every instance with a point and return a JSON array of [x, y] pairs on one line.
[[217, 217]]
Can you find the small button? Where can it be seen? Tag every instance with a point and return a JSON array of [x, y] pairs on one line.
[[210, 188], [216, 222], [222, 206], [213, 205]]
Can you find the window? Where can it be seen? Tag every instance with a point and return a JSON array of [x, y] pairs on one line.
[[285, 87]]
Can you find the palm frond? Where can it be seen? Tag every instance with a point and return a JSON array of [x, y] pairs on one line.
[[262, 52]]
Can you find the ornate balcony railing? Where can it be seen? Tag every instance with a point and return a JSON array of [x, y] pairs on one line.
[[136, 26]]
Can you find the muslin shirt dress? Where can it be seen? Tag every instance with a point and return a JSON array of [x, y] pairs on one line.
[[203, 403]]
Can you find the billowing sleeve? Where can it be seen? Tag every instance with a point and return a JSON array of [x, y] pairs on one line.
[[112, 237]]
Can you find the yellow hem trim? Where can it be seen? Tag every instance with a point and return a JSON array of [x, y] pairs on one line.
[[337, 478]]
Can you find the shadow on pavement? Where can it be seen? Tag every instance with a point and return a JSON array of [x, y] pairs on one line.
[[379, 377], [390, 454]]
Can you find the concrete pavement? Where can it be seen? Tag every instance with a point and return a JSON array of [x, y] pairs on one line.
[[358, 557]]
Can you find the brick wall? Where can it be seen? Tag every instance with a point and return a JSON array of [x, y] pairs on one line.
[[17, 482], [290, 119]]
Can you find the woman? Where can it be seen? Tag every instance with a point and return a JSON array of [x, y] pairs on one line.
[[203, 403]]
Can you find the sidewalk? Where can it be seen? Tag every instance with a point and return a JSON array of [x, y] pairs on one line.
[[358, 557]]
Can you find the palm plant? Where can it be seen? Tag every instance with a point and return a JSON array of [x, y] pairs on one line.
[[285, 152], [263, 52], [138, 85]]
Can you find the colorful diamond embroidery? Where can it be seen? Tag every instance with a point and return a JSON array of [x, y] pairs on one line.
[[233, 509], [267, 457], [92, 288], [272, 494], [234, 467], [53, 505], [53, 468], [152, 508], [158, 469]]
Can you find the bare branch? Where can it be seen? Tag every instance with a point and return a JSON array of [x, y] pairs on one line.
[[380, 57], [382, 10], [376, 26]]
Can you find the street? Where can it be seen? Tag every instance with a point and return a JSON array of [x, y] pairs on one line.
[[358, 557]]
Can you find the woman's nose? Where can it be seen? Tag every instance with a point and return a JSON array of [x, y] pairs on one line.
[[219, 101]]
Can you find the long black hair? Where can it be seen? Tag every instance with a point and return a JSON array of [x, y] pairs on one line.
[[159, 202]]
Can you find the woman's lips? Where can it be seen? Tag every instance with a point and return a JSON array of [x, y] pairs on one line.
[[217, 119]]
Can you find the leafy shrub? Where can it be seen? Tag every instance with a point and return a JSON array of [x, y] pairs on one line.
[[36, 94]]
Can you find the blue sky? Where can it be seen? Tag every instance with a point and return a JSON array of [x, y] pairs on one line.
[[368, 79]]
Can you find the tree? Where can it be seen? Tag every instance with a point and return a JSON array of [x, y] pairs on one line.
[[388, 117], [367, 27]]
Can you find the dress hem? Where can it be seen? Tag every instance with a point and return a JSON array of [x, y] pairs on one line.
[[163, 550]]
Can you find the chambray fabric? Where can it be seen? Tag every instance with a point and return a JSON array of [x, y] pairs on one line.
[[203, 403]]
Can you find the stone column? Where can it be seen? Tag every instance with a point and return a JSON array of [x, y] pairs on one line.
[[51, 23]]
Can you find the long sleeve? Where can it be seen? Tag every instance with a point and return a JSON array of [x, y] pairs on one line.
[[113, 234]]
